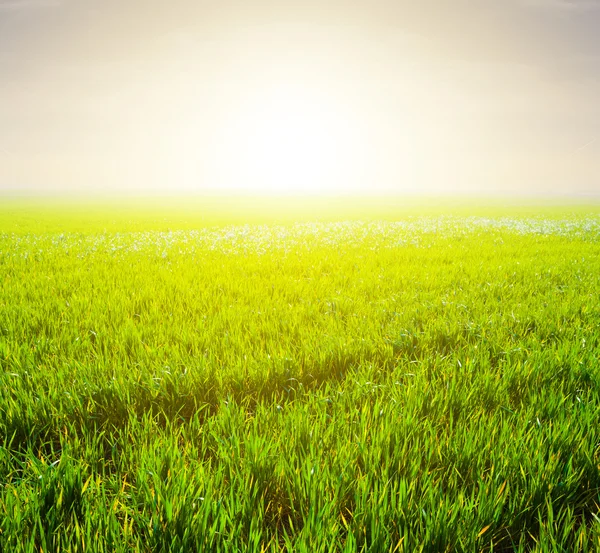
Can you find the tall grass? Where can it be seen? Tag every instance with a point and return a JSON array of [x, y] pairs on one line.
[[430, 384]]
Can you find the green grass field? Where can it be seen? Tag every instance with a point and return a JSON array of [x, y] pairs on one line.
[[401, 378]]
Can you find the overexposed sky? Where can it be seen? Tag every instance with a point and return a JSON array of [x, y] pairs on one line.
[[383, 96]]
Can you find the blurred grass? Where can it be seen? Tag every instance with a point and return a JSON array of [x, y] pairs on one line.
[[132, 213], [169, 384]]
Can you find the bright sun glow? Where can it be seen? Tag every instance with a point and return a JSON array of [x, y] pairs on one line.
[[291, 139], [296, 123]]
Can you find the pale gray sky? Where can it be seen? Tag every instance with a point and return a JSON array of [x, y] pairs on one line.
[[435, 95]]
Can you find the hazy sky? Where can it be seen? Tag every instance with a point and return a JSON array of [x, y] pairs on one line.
[[354, 95]]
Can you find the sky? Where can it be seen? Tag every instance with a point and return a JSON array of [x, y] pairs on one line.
[[266, 96]]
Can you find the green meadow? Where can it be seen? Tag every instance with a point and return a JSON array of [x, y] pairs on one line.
[[301, 377]]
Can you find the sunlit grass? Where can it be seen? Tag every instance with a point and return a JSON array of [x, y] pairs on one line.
[[428, 382]]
